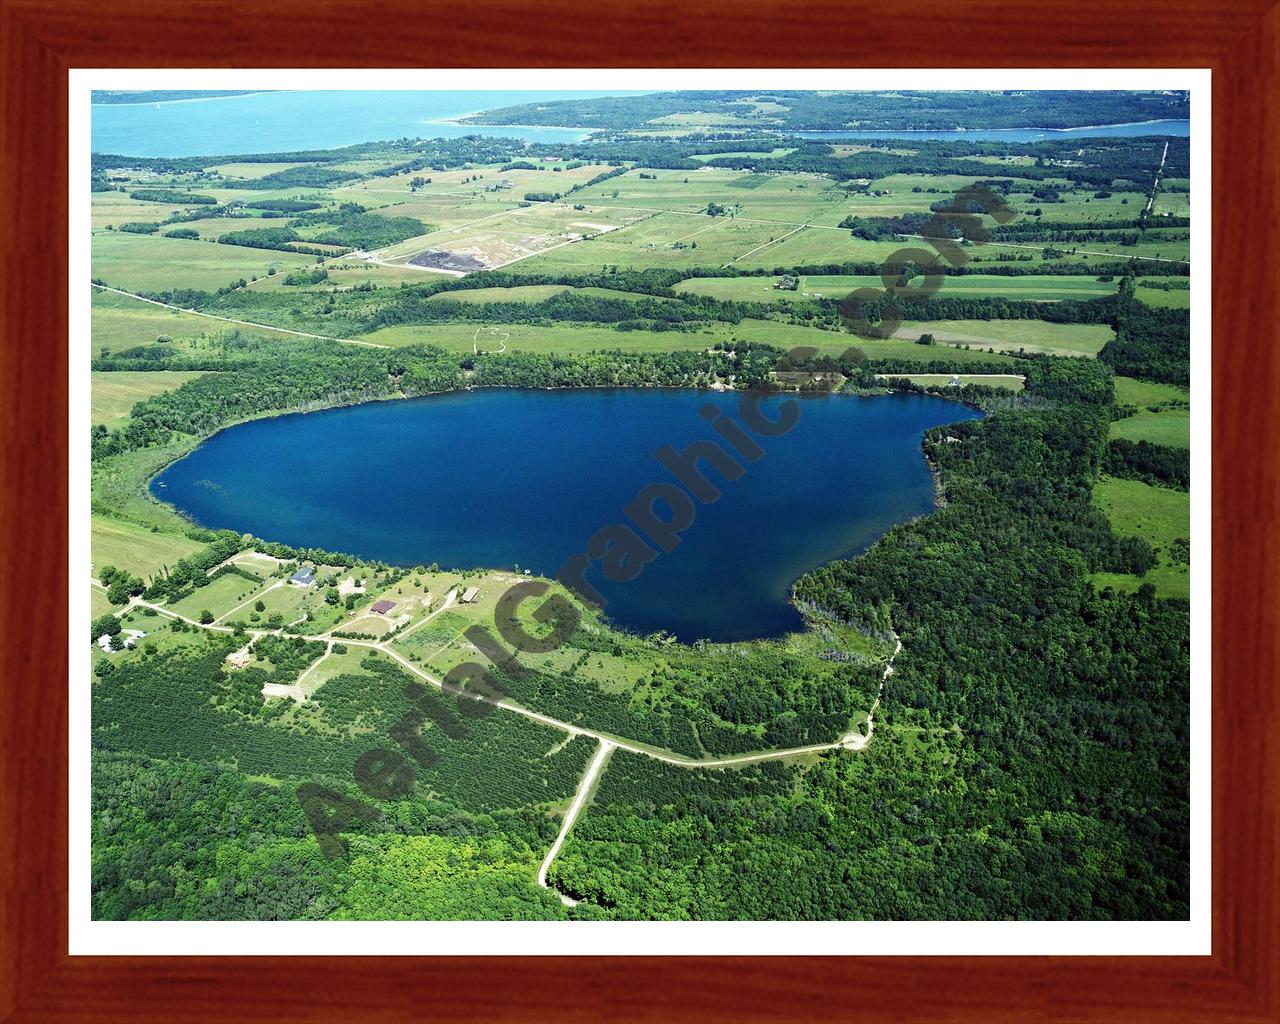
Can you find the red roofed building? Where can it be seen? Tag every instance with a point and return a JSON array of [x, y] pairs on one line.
[[382, 607]]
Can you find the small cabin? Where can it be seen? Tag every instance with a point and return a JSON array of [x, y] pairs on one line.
[[470, 594]]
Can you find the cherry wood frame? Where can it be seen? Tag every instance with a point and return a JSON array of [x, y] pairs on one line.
[[41, 39]]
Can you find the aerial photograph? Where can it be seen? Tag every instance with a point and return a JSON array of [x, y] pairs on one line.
[[716, 505]]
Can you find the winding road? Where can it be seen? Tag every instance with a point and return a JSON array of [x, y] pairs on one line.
[[853, 740]]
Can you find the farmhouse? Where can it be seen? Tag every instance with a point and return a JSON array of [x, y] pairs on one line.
[[129, 638], [382, 607], [304, 577], [470, 594]]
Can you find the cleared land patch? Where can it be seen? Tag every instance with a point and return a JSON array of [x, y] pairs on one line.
[[135, 548], [1012, 335], [114, 394], [1010, 382], [1159, 515], [1163, 416], [151, 263], [1157, 292], [506, 237], [1036, 287]]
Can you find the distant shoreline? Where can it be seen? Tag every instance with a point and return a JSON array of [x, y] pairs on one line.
[[1028, 128], [195, 99], [458, 120]]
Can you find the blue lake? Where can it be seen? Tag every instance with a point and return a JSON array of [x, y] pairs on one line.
[[508, 477], [278, 122]]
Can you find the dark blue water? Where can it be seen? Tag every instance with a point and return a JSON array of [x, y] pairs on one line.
[[506, 478], [1179, 128], [278, 122]]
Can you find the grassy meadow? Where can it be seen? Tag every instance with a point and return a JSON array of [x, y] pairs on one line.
[[1159, 515]]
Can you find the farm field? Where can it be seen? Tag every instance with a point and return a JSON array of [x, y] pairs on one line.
[[1012, 335], [520, 293], [505, 237], [1170, 427], [114, 394], [472, 181], [560, 338], [436, 211], [1173, 298], [209, 228], [1038, 287], [119, 322], [1159, 515], [784, 200], [112, 209], [1163, 416], [345, 273], [126, 545], [122, 322], [146, 263], [253, 170], [220, 596], [834, 342], [1177, 204]]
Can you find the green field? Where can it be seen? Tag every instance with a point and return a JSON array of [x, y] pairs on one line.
[[1012, 335], [120, 322], [253, 170], [219, 596], [115, 393], [1160, 516], [1163, 417], [560, 338], [794, 335], [1178, 298], [520, 293], [814, 286], [510, 236], [151, 263], [135, 548]]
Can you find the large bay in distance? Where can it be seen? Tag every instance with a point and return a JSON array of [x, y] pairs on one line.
[[502, 478], [278, 122]]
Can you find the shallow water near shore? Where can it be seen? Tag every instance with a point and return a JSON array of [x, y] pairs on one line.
[[514, 477]]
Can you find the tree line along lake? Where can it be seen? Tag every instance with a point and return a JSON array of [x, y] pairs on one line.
[[503, 478]]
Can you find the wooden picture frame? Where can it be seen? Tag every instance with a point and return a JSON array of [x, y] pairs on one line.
[[41, 39]]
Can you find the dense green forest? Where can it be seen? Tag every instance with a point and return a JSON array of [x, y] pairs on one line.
[[1037, 752]]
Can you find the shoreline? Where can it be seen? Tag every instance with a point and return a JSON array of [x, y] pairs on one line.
[[149, 480], [457, 121], [193, 99]]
